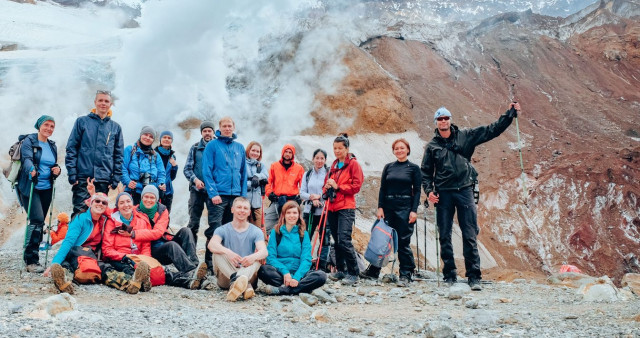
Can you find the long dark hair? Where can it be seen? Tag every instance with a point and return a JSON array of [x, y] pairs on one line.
[[300, 223]]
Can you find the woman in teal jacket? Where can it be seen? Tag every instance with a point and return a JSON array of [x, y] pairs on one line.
[[288, 269], [142, 166]]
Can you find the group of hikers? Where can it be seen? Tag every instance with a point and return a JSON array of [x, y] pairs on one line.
[[131, 246]]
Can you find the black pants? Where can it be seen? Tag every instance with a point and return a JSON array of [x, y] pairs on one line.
[[341, 225], [180, 251], [179, 279], [311, 280], [221, 214], [167, 200], [40, 201], [135, 197], [197, 200], [462, 202], [80, 195], [396, 213]]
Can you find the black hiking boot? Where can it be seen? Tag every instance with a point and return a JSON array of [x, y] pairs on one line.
[[350, 279], [450, 280], [404, 281], [474, 283], [371, 272], [336, 276]]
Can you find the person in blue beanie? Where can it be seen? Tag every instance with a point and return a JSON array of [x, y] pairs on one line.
[[170, 167]]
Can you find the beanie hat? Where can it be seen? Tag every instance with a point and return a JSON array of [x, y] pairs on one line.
[[148, 130], [151, 189], [43, 119], [124, 193], [207, 124], [439, 113], [166, 132]]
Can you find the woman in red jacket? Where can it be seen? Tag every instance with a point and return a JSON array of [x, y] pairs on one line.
[[342, 184]]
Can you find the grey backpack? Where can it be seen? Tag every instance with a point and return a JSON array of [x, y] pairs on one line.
[[383, 244]]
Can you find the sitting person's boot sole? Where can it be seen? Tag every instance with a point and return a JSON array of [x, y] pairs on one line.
[[249, 292], [139, 276], [59, 279], [237, 288]]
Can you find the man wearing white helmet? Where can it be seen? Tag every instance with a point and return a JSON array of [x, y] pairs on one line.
[[448, 179]]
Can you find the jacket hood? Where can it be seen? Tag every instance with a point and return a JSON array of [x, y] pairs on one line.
[[290, 147], [224, 138], [350, 157], [454, 131], [109, 113]]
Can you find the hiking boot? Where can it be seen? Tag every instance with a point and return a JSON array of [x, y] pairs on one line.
[[139, 276], [336, 276], [350, 280], [35, 268], [237, 288], [475, 284], [146, 285], [248, 293], [370, 273], [389, 278], [269, 289], [60, 280], [450, 281], [404, 281], [199, 275]]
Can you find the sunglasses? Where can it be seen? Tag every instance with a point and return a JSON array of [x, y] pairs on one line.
[[103, 202], [443, 118]]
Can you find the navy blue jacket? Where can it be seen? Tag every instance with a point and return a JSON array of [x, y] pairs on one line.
[[30, 154], [193, 166], [95, 150]]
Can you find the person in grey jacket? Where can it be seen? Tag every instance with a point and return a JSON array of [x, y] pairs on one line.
[[94, 151], [311, 191], [198, 197], [257, 176]]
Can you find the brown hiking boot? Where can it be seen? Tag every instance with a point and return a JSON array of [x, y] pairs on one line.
[[60, 279], [237, 288], [249, 292], [199, 275], [139, 276]]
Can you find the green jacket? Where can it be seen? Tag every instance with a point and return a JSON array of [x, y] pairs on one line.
[[446, 162]]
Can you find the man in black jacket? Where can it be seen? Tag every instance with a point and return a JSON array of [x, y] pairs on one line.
[[94, 151], [448, 179]]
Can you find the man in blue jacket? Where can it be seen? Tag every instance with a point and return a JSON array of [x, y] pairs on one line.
[[94, 151], [225, 176]]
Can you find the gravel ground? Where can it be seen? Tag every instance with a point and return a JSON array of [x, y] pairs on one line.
[[522, 308]]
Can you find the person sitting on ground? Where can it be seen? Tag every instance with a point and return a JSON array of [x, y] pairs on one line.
[[238, 247], [63, 226], [142, 166], [85, 234], [178, 249], [117, 246], [121, 251], [288, 269]]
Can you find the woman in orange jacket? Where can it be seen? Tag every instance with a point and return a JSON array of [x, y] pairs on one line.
[[342, 184]]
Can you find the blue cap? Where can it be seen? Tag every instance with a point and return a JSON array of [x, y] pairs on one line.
[[166, 132], [442, 111]]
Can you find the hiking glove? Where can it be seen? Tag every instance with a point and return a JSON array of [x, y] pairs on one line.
[[255, 182], [273, 197]]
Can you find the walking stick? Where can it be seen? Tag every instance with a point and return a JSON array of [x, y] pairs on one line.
[[26, 229], [418, 245], [323, 226], [435, 221], [53, 197]]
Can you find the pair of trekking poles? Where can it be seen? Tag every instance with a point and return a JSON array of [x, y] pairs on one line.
[[28, 234], [437, 244]]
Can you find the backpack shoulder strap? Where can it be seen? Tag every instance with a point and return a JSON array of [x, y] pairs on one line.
[[278, 238], [308, 176]]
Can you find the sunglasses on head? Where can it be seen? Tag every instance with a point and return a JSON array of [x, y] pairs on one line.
[[443, 118], [103, 202]]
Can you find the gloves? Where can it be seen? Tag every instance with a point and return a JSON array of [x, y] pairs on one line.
[[34, 178], [513, 112], [255, 182], [273, 197]]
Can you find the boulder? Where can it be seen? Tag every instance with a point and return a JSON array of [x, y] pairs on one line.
[[632, 280], [438, 329], [308, 299], [53, 306], [458, 290], [601, 290]]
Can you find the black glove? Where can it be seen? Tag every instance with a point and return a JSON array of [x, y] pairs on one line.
[[255, 182], [273, 197], [513, 112]]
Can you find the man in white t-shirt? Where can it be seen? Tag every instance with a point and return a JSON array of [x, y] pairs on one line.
[[237, 249]]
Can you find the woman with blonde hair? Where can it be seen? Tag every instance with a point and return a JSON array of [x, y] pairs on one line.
[[288, 269]]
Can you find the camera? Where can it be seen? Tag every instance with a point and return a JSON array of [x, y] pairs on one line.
[[330, 194], [145, 179], [263, 183]]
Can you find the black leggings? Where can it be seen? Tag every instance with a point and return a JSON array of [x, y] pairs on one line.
[[311, 280], [33, 235]]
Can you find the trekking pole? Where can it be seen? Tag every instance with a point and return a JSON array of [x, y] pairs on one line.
[[322, 217], [310, 219], [324, 227], [26, 229], [435, 221], [523, 175], [53, 197], [418, 246]]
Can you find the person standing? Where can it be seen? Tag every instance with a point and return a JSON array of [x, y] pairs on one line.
[[142, 166], [225, 176], [398, 201], [343, 183], [448, 179], [285, 177], [170, 167], [198, 197], [256, 180], [39, 169], [94, 150], [311, 190]]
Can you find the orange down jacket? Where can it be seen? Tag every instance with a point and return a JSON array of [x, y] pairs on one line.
[[285, 182]]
